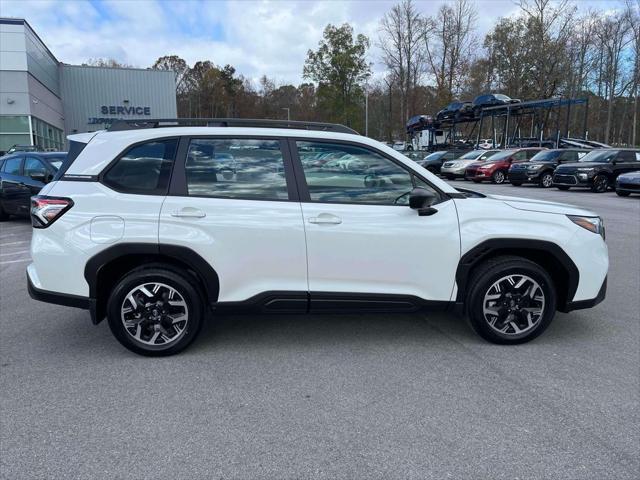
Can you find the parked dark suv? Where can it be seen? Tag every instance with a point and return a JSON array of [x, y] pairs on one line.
[[455, 110], [540, 168], [597, 170], [23, 174], [433, 162]]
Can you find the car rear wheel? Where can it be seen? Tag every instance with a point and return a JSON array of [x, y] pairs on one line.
[[498, 177], [563, 187], [512, 300], [600, 184], [155, 311], [3, 215], [546, 180]]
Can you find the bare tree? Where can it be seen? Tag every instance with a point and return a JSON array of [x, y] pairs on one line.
[[449, 47], [613, 37], [401, 39]]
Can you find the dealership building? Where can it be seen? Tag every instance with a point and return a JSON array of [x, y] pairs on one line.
[[42, 100]]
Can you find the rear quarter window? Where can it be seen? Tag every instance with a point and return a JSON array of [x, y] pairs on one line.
[[144, 168]]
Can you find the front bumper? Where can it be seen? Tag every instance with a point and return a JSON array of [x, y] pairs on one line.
[[628, 187], [524, 177], [592, 302], [572, 179], [453, 171]]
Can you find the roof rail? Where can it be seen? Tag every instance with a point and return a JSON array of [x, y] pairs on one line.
[[119, 125]]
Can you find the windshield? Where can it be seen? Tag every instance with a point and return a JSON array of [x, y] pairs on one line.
[[434, 156], [472, 155], [546, 155], [502, 155], [601, 156]]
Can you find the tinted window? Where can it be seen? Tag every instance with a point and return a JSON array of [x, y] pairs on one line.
[[236, 168], [357, 175], [521, 155], [12, 166], [627, 156], [34, 166], [548, 155], [603, 156], [143, 169]]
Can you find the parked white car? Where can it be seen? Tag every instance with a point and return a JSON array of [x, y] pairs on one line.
[[455, 168], [138, 229]]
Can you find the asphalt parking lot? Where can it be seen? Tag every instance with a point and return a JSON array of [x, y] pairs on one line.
[[357, 396]]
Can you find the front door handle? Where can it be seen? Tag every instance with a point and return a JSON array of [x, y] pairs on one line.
[[326, 219], [189, 212]]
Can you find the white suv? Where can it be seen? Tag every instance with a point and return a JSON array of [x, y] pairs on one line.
[[155, 228]]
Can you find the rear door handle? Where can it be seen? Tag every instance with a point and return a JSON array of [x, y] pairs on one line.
[[326, 219], [189, 212]]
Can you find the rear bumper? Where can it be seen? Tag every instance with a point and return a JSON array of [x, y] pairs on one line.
[[58, 298], [591, 302]]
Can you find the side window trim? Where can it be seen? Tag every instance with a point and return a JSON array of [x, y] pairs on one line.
[[301, 182], [178, 182]]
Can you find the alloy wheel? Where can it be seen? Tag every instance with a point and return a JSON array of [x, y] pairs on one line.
[[155, 314], [547, 180], [498, 177], [514, 305], [600, 183]]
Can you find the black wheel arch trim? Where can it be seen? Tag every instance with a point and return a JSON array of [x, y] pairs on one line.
[[191, 259], [491, 247]]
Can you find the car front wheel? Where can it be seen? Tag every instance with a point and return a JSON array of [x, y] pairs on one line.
[[498, 177], [546, 180], [600, 184], [155, 311], [512, 300]]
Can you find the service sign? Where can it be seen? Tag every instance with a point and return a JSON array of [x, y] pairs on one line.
[[121, 111]]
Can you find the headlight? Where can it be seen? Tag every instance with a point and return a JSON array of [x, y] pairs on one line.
[[534, 167], [593, 224], [586, 169], [486, 165]]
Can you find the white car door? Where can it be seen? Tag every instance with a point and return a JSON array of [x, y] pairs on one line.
[[362, 237], [233, 202]]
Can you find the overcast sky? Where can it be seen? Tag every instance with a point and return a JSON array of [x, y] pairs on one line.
[[256, 37]]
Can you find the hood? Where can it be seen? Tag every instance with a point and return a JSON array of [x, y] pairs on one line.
[[544, 206], [631, 175]]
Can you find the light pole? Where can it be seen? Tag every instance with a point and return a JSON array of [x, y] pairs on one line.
[[288, 113], [366, 111]]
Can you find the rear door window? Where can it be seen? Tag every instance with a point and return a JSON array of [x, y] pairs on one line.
[[240, 168], [12, 166], [143, 169]]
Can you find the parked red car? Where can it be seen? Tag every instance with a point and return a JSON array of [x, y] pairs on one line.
[[495, 168]]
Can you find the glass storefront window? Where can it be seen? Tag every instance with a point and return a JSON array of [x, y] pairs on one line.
[[14, 124], [46, 136]]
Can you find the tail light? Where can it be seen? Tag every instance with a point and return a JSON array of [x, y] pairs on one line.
[[46, 210]]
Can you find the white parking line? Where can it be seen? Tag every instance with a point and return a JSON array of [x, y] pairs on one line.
[[13, 243], [14, 253], [15, 261]]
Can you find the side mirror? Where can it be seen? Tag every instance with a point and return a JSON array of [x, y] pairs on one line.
[[421, 199], [40, 177]]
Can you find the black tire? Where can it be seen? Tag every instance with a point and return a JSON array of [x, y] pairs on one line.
[[622, 194], [499, 177], [168, 277], [600, 183], [482, 280], [516, 184], [3, 215], [562, 187], [546, 180]]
